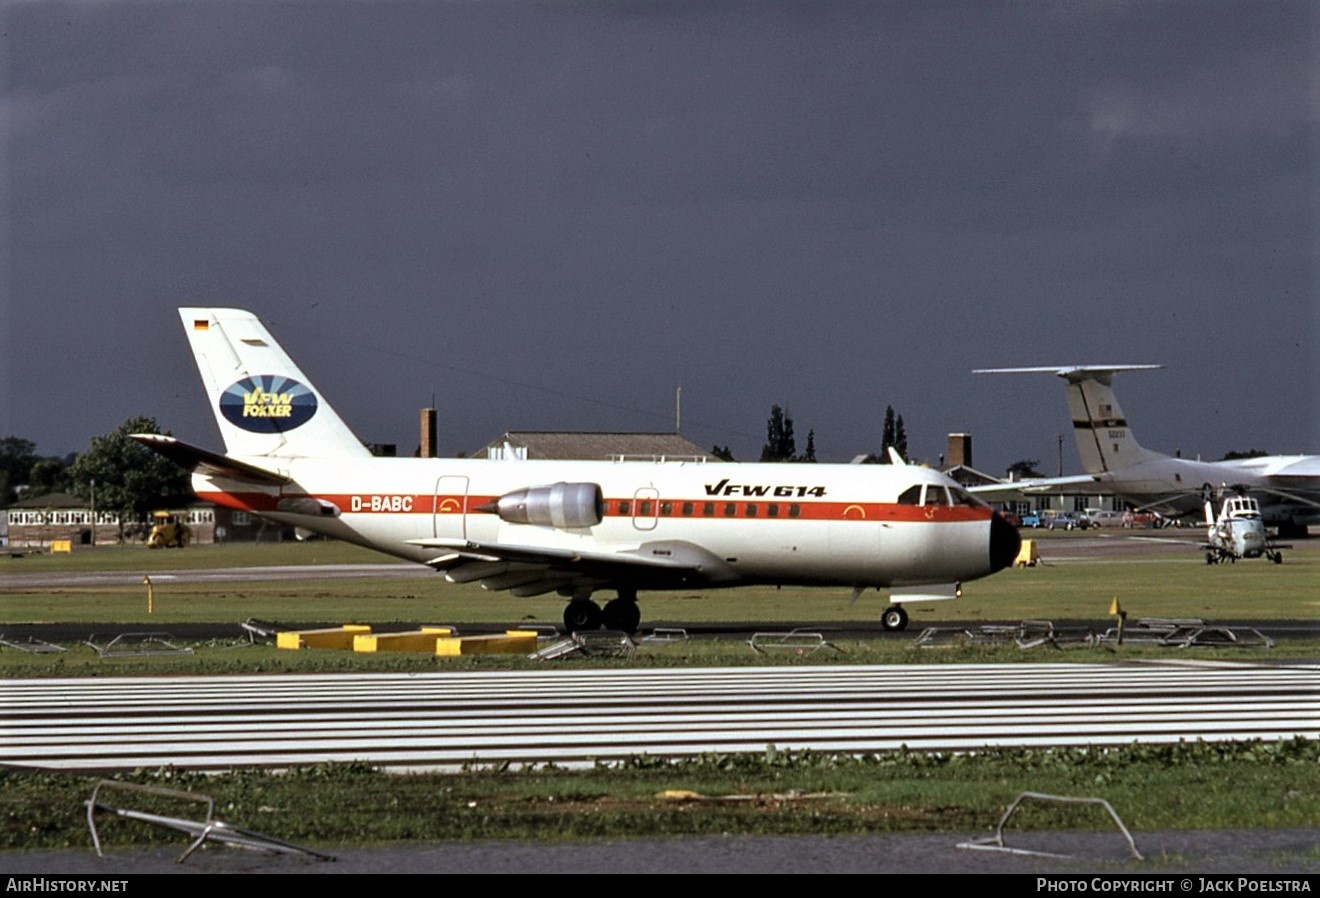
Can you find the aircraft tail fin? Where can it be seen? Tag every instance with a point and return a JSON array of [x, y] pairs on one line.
[[263, 404], [1105, 442]]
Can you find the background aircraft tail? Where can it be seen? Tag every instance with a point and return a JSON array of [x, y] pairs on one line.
[[263, 404], [1104, 440]]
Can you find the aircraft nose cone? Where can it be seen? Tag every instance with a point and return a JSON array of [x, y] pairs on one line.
[[1005, 541]]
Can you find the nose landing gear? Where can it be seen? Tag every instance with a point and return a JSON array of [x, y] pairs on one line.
[[894, 618]]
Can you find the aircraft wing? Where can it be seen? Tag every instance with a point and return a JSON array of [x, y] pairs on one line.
[[1305, 470], [532, 570], [1301, 490], [1037, 486], [207, 463]]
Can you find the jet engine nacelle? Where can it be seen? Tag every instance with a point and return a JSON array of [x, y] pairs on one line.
[[557, 505]]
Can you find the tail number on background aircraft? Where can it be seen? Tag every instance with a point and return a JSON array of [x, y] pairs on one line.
[[724, 488], [381, 503]]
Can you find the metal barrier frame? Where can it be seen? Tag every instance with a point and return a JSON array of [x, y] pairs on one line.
[[147, 644], [996, 842], [206, 830], [801, 642]]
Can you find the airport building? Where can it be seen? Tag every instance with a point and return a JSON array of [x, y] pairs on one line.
[[38, 522]]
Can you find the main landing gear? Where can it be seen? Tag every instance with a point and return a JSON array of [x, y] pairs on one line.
[[894, 618], [620, 614]]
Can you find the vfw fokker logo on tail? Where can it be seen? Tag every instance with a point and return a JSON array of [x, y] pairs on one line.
[[267, 403]]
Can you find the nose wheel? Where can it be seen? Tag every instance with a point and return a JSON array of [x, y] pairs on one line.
[[894, 618]]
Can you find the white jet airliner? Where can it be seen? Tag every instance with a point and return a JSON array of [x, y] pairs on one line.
[[575, 527]]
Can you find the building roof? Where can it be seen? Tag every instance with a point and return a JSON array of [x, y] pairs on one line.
[[51, 500], [552, 444]]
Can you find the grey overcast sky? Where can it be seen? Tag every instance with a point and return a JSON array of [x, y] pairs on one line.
[[551, 215]]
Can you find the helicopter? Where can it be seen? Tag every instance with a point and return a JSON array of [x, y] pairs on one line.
[[1238, 532]]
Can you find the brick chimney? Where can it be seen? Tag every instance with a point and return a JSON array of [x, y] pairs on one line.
[[960, 450], [427, 443]]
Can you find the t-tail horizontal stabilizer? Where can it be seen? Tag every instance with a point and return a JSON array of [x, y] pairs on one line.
[[1072, 373], [1105, 442], [207, 463]]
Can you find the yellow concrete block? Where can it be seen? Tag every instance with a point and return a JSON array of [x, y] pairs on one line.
[[330, 638], [422, 640], [513, 642], [1027, 555], [61, 545]]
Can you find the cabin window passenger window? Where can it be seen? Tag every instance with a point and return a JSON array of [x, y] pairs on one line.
[[772, 510], [644, 507], [623, 508], [666, 508], [687, 509], [730, 510], [708, 509], [751, 509], [794, 510]]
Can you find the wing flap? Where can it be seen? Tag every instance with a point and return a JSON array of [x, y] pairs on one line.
[[667, 562]]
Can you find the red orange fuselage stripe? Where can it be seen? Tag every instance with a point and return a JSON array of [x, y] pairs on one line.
[[727, 509]]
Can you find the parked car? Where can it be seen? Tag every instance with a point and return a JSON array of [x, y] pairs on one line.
[[1065, 520], [1099, 517], [1030, 519]]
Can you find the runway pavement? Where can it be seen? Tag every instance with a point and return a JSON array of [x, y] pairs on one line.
[[1284, 855], [446, 720]]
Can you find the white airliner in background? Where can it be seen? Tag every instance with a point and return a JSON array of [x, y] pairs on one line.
[[1287, 486], [575, 527]]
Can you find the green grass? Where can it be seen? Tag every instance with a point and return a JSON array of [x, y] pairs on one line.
[[1153, 788], [1242, 785], [232, 657], [136, 557], [1175, 585]]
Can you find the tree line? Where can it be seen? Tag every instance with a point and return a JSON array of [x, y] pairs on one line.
[[115, 473], [781, 442]]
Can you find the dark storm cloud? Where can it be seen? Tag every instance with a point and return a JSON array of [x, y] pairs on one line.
[[552, 215]]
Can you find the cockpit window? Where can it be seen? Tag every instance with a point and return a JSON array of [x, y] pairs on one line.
[[938, 494]]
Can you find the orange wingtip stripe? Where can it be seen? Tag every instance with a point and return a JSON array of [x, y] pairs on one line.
[[201, 324]]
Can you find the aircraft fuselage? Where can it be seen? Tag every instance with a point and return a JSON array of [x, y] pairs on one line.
[[742, 523]]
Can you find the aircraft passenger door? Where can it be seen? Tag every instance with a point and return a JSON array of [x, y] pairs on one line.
[[646, 508], [449, 517], [857, 535]]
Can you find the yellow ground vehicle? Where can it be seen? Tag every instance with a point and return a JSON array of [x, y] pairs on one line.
[[168, 531]]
